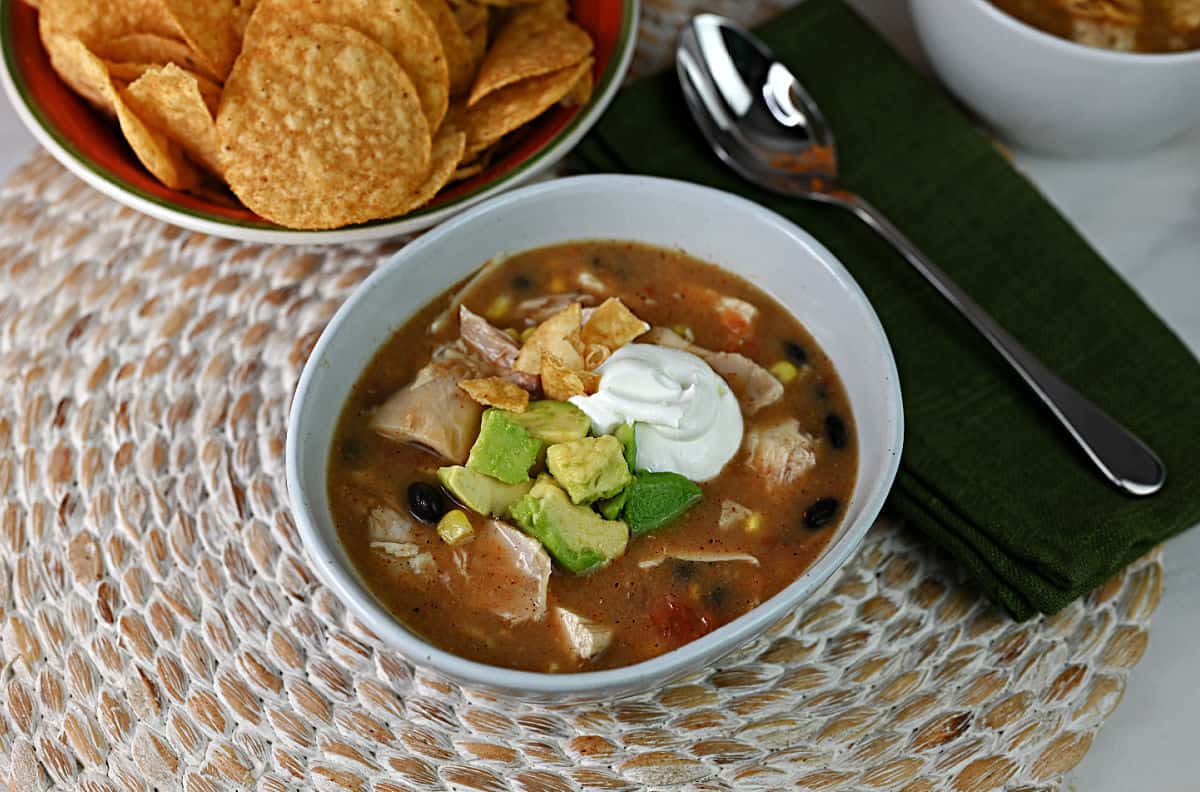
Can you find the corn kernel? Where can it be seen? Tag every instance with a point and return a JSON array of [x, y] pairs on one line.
[[513, 333], [558, 285], [784, 371], [499, 307], [685, 331], [528, 331], [694, 591], [754, 523], [455, 527]]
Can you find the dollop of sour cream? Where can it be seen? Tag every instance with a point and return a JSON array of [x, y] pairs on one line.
[[686, 419]]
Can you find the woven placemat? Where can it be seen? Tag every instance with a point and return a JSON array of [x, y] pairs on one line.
[[162, 627]]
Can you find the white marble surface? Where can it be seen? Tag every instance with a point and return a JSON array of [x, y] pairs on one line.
[[1143, 214]]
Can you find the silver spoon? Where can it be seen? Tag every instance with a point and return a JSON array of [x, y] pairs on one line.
[[762, 123]]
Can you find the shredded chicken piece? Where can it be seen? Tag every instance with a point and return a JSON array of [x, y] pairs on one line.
[[780, 453], [696, 556], [539, 309], [590, 283], [585, 637], [754, 386], [494, 346], [733, 513], [385, 525], [443, 319], [516, 567], [432, 412], [403, 550]]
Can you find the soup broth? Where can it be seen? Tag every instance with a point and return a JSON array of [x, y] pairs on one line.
[[754, 531], [1128, 25]]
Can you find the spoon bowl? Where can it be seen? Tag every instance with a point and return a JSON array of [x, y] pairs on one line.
[[759, 120], [753, 110]]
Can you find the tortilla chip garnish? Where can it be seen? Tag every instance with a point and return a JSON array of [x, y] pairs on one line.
[[208, 26], [559, 381], [534, 41], [594, 355], [320, 128], [502, 111], [495, 392], [612, 325], [590, 380], [399, 26], [448, 147], [460, 60], [470, 16], [170, 100], [559, 337]]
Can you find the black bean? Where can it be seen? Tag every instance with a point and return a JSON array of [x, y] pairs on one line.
[[835, 430], [683, 570], [821, 513], [796, 352], [718, 596], [522, 282], [426, 502]]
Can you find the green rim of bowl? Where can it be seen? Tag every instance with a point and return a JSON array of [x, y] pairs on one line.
[[625, 41]]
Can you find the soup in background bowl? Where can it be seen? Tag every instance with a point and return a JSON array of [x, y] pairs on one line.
[[1124, 25], [803, 297]]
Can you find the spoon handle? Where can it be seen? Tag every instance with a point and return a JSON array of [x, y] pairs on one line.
[[1124, 459]]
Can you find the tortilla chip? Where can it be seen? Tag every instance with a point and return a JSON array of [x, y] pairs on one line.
[[399, 26], [612, 325], [241, 18], [320, 127], [93, 21], [90, 77], [559, 381], [533, 42], [495, 392], [208, 27], [169, 99], [594, 355], [80, 69], [460, 61], [448, 147], [470, 16], [148, 48], [580, 93], [129, 72], [557, 336], [513, 106], [590, 380]]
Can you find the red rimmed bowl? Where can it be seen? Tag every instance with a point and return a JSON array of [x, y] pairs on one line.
[[92, 148]]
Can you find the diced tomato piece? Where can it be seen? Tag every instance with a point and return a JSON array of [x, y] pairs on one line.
[[679, 623]]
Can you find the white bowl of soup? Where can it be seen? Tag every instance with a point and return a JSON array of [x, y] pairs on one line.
[[1067, 78], [593, 435]]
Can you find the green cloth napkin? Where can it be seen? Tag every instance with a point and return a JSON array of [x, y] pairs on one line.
[[986, 473]]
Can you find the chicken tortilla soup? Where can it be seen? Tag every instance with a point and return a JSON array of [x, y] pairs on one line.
[[589, 455]]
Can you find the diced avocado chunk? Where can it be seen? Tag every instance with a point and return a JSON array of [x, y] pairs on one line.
[[655, 499], [503, 449], [481, 493], [627, 434], [553, 421], [611, 508], [590, 469], [575, 536]]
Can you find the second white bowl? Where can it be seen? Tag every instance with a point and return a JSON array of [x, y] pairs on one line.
[[1052, 95]]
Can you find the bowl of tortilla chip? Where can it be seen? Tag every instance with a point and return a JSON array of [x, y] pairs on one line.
[[311, 121]]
